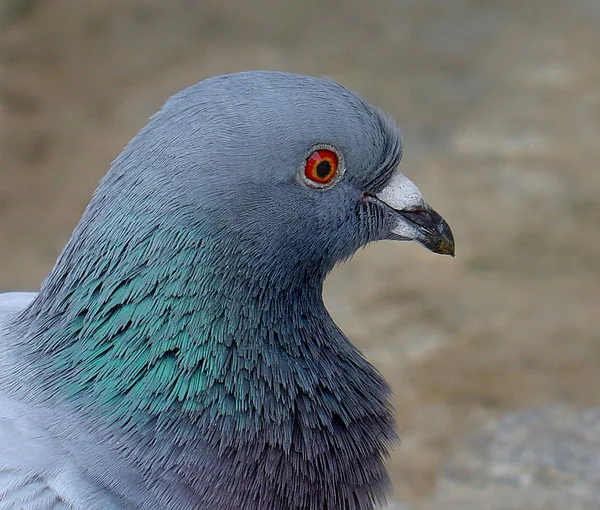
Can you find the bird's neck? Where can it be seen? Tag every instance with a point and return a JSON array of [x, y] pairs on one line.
[[147, 330], [195, 349]]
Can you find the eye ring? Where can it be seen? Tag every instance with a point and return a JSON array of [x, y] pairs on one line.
[[322, 167]]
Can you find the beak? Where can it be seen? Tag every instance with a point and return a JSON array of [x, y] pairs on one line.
[[429, 229], [412, 218]]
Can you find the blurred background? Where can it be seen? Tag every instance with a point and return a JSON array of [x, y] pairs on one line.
[[494, 356]]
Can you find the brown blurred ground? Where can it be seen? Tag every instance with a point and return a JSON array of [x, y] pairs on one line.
[[499, 102]]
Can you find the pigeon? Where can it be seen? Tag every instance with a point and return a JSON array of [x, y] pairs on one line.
[[179, 354]]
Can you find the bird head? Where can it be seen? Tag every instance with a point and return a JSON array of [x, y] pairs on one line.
[[294, 172]]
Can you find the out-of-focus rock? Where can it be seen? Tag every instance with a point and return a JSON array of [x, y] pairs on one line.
[[538, 459], [395, 506]]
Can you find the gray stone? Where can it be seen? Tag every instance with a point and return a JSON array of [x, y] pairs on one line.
[[546, 458], [394, 505]]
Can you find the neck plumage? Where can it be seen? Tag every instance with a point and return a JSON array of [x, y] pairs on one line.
[[182, 345]]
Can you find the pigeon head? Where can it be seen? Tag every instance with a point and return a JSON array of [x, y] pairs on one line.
[[184, 318], [296, 172]]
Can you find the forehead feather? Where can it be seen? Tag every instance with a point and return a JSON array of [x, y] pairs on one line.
[[246, 121]]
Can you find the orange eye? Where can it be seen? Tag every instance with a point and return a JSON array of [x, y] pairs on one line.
[[321, 166]]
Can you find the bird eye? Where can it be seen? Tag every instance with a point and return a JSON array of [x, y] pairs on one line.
[[321, 167]]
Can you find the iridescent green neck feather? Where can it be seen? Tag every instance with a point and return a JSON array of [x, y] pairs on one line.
[[166, 325]]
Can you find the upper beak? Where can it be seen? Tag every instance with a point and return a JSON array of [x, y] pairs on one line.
[[412, 218]]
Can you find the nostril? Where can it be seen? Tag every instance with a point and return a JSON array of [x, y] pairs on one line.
[[367, 197]]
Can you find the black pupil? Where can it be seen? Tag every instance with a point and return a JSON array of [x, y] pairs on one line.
[[324, 169]]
